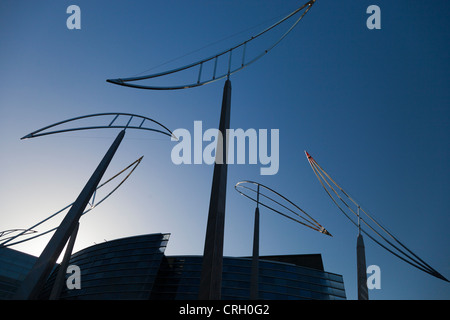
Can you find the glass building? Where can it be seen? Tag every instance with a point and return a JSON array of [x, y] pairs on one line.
[[136, 268], [116, 270], [14, 266]]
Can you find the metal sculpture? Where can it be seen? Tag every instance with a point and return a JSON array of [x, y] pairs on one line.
[[37, 276], [110, 117], [291, 211], [91, 205], [211, 277], [214, 60], [374, 228]]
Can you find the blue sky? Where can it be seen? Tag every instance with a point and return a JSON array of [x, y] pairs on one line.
[[371, 106]]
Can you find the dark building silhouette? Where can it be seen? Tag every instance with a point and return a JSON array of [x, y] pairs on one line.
[[179, 278], [136, 268], [121, 269], [14, 266]]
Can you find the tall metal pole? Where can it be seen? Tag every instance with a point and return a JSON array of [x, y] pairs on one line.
[[211, 276], [36, 278], [254, 288], [363, 292]]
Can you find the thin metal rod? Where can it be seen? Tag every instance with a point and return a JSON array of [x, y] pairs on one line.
[[257, 197], [215, 68], [243, 54], [200, 72], [93, 199], [131, 118], [113, 120], [229, 63], [359, 222]]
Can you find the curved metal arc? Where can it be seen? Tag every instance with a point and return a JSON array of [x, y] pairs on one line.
[[186, 86], [25, 240], [310, 3], [7, 232], [414, 260], [134, 165], [281, 196], [278, 203], [38, 133], [316, 226], [320, 170], [124, 81], [92, 128], [36, 225]]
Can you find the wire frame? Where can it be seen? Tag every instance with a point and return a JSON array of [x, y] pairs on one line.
[[107, 120], [227, 55], [92, 204], [277, 203], [367, 223]]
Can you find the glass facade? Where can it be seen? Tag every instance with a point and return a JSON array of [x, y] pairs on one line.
[[179, 278], [14, 266], [116, 270]]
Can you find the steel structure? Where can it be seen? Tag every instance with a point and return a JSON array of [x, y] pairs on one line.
[[210, 283], [111, 118], [35, 279], [214, 59], [368, 225], [91, 205], [291, 211]]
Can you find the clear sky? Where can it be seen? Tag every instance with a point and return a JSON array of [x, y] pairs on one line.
[[371, 106]]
